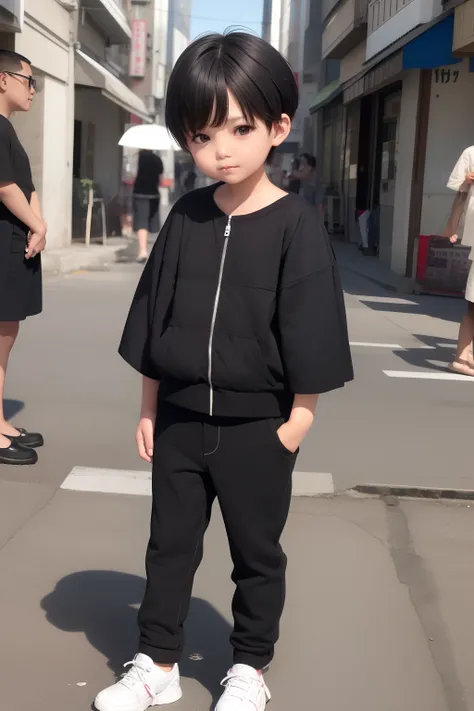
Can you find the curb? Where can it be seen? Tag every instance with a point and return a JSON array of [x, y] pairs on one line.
[[418, 492], [410, 287], [78, 257]]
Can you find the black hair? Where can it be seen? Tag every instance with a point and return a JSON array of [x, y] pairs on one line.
[[311, 160], [11, 61], [257, 75]]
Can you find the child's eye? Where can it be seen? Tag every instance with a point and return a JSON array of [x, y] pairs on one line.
[[243, 130], [200, 138]]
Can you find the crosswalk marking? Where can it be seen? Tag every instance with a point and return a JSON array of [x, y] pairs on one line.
[[109, 481], [363, 344], [423, 375], [138, 483]]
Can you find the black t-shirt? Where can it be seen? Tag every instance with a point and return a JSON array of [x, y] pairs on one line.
[[236, 315], [150, 168], [14, 167]]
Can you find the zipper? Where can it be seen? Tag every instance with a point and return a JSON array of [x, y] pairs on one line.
[[214, 313]]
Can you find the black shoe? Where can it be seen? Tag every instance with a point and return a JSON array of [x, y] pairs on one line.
[[27, 439], [17, 454]]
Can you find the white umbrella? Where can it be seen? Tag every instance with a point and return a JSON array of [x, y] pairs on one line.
[[149, 136]]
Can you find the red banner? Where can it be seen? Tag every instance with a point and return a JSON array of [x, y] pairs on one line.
[[138, 49]]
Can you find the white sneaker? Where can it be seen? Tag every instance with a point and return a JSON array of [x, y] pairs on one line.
[[245, 690], [144, 685]]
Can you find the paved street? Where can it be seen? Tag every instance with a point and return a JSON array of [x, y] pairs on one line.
[[377, 614]]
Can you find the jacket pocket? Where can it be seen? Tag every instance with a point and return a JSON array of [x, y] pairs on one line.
[[181, 354], [238, 364]]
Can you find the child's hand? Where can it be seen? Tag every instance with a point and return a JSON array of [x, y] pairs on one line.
[[291, 436], [144, 437]]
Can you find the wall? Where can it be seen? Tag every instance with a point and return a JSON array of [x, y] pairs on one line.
[[415, 13], [109, 122], [46, 130], [90, 36], [338, 25], [406, 148], [451, 130], [30, 128], [57, 174], [353, 62]]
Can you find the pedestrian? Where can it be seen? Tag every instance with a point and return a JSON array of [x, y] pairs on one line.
[[190, 180], [462, 180], [237, 325], [146, 200], [22, 239], [294, 184]]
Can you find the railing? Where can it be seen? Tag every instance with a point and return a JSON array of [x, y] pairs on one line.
[[361, 11], [381, 11]]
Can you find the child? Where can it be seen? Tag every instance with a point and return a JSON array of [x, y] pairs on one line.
[[237, 325]]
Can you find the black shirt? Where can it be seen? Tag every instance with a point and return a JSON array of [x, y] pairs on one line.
[[14, 168], [236, 315], [150, 168]]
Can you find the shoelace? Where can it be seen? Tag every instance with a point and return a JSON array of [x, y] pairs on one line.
[[241, 687], [137, 674]]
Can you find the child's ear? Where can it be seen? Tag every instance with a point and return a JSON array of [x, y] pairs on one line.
[[281, 129]]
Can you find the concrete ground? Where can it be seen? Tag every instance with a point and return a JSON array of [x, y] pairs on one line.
[[379, 613]]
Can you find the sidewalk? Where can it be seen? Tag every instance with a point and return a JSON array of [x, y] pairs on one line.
[[377, 613], [77, 256], [351, 258]]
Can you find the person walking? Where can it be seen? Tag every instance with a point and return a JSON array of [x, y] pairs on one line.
[[22, 239], [146, 200], [237, 326], [462, 181]]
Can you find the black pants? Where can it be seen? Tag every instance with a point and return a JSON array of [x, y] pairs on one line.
[[245, 465]]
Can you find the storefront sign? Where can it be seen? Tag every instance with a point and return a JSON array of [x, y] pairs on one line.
[[138, 49]]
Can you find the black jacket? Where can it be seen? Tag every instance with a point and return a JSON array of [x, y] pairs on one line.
[[236, 315]]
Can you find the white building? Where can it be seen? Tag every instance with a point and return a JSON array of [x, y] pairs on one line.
[[405, 90], [46, 131]]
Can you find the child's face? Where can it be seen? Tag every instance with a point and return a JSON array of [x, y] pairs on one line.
[[236, 150]]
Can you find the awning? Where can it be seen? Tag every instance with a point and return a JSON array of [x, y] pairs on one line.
[[432, 49], [88, 72], [393, 50], [325, 96]]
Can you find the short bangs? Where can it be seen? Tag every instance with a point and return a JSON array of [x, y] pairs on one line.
[[259, 78]]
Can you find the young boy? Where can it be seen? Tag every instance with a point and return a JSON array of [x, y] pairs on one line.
[[22, 238], [237, 325]]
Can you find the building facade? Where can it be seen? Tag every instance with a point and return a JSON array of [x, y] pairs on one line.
[[400, 112], [46, 131]]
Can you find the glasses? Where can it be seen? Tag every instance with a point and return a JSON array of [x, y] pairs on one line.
[[31, 80]]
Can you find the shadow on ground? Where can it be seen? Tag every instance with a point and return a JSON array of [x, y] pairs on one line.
[[12, 408], [103, 604], [433, 353]]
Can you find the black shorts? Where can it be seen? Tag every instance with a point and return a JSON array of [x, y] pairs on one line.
[[21, 291], [146, 214]]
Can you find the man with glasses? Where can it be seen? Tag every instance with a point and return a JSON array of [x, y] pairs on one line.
[[22, 239]]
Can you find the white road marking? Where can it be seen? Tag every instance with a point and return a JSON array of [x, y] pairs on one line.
[[422, 375], [399, 347], [362, 344], [312, 484], [138, 483], [109, 481]]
